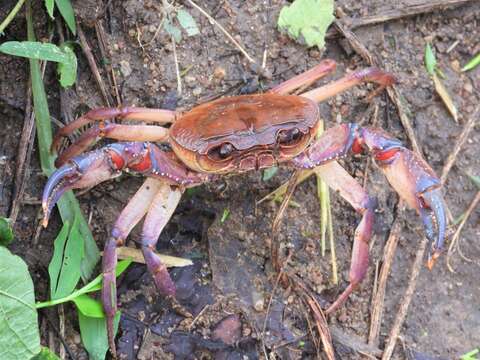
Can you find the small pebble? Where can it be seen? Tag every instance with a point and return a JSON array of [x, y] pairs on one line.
[[125, 68], [197, 91], [219, 73]]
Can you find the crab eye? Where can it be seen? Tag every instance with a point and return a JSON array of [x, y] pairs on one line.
[[289, 137], [221, 152]]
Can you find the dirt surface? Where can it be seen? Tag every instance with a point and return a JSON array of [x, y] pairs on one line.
[[228, 289]]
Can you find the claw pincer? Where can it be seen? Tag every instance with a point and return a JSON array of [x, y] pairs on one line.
[[413, 179], [82, 171]]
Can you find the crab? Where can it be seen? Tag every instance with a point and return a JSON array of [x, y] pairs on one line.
[[234, 135]]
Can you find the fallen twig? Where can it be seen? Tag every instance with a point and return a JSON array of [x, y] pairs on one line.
[[403, 11], [93, 65], [467, 128], [26, 141], [102, 41], [405, 302], [456, 236], [227, 34], [319, 317], [379, 295], [392, 91]]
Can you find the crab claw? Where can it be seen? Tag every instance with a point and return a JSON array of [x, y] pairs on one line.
[[80, 172], [416, 182]]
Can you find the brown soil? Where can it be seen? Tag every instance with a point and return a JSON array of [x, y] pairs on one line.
[[232, 272]]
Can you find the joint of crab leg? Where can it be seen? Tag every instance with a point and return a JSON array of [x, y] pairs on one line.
[[334, 143]]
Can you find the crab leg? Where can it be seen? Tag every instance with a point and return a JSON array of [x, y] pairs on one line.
[[161, 210], [407, 172], [340, 181], [126, 221], [92, 168], [355, 78], [305, 79], [158, 116], [112, 131]]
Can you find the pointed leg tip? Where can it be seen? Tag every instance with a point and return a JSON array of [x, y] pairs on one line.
[[433, 259]]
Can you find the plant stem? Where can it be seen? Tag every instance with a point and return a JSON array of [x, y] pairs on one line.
[[11, 15]]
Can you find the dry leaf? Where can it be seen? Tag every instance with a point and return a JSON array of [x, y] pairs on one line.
[[136, 255], [445, 96]]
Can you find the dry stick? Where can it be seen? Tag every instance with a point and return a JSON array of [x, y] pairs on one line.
[[396, 14], [292, 183], [404, 11], [469, 125], [319, 317], [405, 302], [102, 45], [322, 327], [379, 295], [230, 37], [456, 236], [93, 65], [391, 90], [21, 171]]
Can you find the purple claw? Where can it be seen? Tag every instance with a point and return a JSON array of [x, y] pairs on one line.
[[435, 221], [82, 171]]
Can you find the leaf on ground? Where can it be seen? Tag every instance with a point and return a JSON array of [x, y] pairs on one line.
[[445, 96], [309, 19], [64, 268], [88, 306], [430, 61], [6, 231], [94, 335], [187, 22], [68, 69], [19, 335], [472, 63], [34, 50], [50, 5], [174, 31], [125, 252], [66, 10], [475, 179], [45, 354], [269, 173]]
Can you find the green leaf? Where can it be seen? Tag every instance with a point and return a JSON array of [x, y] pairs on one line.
[[88, 306], [225, 215], [187, 22], [269, 173], [475, 179], [66, 10], [6, 231], [68, 69], [50, 5], [34, 50], [309, 19], [67, 205], [45, 354], [430, 61], [96, 284], [19, 336], [173, 31], [471, 355], [64, 269], [94, 335], [472, 63]]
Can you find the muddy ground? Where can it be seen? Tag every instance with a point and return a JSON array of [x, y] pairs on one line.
[[232, 276]]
